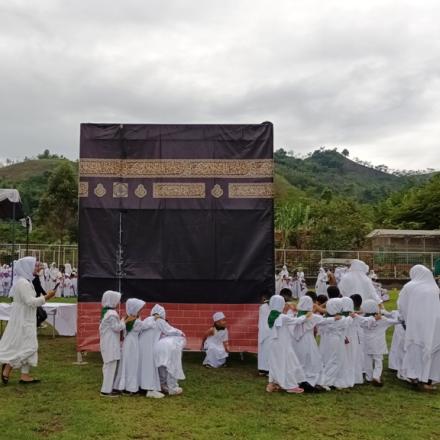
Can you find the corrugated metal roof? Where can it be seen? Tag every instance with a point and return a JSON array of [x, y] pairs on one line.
[[403, 233]]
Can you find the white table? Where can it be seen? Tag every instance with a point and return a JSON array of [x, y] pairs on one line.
[[62, 316]]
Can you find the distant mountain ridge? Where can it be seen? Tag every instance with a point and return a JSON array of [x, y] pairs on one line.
[[330, 172]]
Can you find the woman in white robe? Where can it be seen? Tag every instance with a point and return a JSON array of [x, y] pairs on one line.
[[321, 282], [356, 281], [419, 306], [153, 328], [110, 329], [128, 379], [305, 345], [19, 343], [263, 339], [285, 371]]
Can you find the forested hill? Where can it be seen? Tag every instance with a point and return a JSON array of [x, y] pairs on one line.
[[327, 171]]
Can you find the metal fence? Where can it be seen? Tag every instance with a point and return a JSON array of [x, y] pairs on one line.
[[386, 264], [47, 253]]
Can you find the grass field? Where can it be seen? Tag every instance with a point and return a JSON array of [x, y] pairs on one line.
[[217, 404]]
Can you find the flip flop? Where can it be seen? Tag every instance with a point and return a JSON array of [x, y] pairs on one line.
[[25, 382]]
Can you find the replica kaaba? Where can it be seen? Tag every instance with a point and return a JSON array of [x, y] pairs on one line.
[[176, 213]]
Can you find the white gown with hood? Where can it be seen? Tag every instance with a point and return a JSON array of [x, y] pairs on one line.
[[19, 343], [419, 306]]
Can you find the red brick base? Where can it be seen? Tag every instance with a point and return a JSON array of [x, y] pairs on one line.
[[192, 319]]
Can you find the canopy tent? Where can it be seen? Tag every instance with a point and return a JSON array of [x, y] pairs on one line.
[[10, 204]]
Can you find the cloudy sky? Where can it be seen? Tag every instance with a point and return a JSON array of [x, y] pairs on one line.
[[362, 75]]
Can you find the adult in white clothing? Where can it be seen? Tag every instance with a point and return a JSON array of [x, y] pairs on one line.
[[419, 306], [356, 281], [321, 282], [19, 344]]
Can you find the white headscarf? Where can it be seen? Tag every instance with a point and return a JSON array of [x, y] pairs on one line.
[[23, 268], [357, 281], [110, 298], [370, 306], [347, 304], [305, 304], [419, 305], [217, 316], [277, 303], [334, 306], [133, 306], [158, 310]]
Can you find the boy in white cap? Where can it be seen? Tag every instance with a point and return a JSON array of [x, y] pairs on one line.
[[110, 340], [375, 346], [128, 376], [215, 342]]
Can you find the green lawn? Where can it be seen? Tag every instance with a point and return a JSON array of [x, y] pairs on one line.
[[216, 404]]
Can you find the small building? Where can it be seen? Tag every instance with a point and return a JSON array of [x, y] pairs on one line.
[[404, 240]]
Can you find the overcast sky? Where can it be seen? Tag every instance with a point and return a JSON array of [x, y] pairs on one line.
[[362, 75]]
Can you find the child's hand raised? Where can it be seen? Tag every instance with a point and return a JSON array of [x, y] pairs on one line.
[[130, 318], [338, 317], [309, 315], [377, 316]]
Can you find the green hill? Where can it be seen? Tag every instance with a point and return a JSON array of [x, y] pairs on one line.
[[326, 170]]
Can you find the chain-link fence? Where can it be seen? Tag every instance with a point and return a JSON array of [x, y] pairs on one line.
[[47, 253], [387, 265]]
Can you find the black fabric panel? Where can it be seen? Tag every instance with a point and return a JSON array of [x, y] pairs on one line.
[[98, 243]]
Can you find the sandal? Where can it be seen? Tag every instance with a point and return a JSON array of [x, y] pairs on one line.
[[296, 390], [25, 382], [5, 379]]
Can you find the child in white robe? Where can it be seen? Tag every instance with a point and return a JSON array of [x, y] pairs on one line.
[[285, 371], [332, 345], [359, 362], [397, 349], [110, 332], [153, 328], [168, 357], [305, 345], [351, 341], [215, 342], [128, 379], [263, 338], [375, 346]]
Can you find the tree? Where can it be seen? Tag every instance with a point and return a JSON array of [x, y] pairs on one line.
[[58, 207], [291, 219], [340, 224], [345, 152]]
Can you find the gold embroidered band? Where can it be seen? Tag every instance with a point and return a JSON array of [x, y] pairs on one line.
[[179, 190], [83, 189], [250, 190], [152, 168]]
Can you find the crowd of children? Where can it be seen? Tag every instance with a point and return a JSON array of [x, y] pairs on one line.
[[150, 360], [352, 342], [351, 331]]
